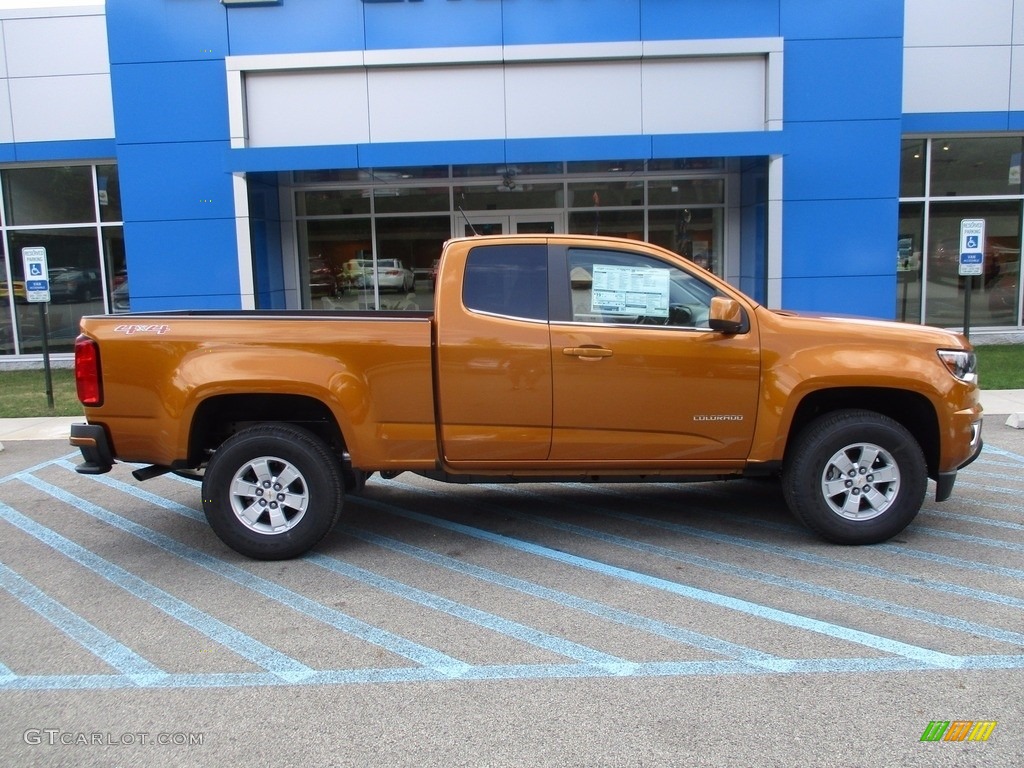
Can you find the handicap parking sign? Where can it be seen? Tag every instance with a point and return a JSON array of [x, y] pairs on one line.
[[972, 247], [37, 278]]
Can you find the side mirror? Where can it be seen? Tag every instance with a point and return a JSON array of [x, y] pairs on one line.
[[727, 316]]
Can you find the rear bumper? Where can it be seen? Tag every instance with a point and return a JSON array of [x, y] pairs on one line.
[[91, 440]]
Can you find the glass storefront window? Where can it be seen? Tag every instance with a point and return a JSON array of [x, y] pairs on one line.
[[692, 233], [410, 199], [606, 194], [912, 167], [76, 286], [414, 242], [108, 193], [510, 195], [334, 253], [334, 202], [687, 192], [994, 294], [612, 223], [976, 166], [909, 263], [59, 195]]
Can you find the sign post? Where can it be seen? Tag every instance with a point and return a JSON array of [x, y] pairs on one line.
[[972, 261], [37, 291]]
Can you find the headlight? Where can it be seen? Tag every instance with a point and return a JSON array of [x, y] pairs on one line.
[[962, 364]]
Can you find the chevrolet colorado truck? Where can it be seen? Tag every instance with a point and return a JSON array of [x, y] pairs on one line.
[[545, 358]]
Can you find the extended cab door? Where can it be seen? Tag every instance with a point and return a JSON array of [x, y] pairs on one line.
[[494, 354], [639, 378]]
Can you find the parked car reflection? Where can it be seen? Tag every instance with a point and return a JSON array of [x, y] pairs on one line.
[[69, 285]]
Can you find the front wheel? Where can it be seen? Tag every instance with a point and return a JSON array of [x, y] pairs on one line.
[[272, 491], [855, 477]]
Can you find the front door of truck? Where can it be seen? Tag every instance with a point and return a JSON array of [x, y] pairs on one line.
[[639, 379]]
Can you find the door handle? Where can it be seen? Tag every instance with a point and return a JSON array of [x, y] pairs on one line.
[[587, 353]]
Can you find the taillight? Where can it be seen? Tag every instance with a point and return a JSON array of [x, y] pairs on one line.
[[87, 371]]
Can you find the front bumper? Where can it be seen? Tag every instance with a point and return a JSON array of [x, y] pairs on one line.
[[944, 482], [91, 440]]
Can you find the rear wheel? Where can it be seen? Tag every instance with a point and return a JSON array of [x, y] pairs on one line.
[[855, 477], [272, 491]]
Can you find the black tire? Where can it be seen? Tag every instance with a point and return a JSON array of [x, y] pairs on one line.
[[259, 517], [882, 495]]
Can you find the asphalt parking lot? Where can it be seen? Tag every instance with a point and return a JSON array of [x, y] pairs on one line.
[[530, 625]]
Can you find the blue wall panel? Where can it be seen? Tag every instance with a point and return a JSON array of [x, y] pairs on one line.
[[175, 181], [815, 19], [292, 158], [432, 24], [173, 101], [839, 237], [709, 19], [182, 264], [165, 30], [529, 22], [843, 80], [579, 148], [861, 296], [852, 159], [296, 27]]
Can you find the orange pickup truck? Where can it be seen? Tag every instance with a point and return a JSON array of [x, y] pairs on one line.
[[546, 358]]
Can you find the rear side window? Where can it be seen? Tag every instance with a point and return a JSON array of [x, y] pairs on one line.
[[509, 280]]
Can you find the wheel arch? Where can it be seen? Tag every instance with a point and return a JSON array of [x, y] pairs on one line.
[[217, 418], [911, 409]]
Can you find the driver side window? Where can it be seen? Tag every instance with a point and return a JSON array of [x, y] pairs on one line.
[[618, 287]]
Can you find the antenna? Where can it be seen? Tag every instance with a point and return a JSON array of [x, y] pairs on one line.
[[462, 199]]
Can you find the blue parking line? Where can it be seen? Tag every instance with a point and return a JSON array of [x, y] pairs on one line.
[[512, 629], [608, 613], [804, 557], [1004, 453], [140, 494], [247, 647], [398, 645], [94, 640], [958, 562], [784, 582], [339, 677], [886, 645], [36, 468]]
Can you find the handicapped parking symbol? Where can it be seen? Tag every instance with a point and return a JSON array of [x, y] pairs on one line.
[[35, 269], [972, 242]]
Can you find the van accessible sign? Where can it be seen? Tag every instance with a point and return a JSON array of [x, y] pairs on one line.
[[37, 277], [972, 247]]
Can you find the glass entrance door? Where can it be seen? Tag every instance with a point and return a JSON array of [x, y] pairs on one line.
[[504, 224]]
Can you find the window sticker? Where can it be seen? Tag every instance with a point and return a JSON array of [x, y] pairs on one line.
[[641, 291]]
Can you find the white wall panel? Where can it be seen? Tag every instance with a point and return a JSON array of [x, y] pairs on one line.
[[62, 108], [1018, 22], [6, 127], [1017, 79], [436, 104], [516, 92], [70, 45], [577, 99], [957, 22], [704, 95], [306, 108], [956, 79]]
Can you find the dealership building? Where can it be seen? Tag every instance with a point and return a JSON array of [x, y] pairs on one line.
[[820, 155]]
